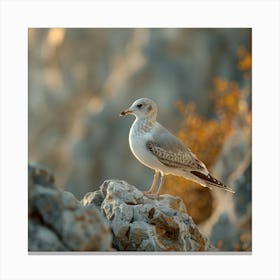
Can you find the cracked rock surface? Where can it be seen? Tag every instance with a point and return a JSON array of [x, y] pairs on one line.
[[139, 223]]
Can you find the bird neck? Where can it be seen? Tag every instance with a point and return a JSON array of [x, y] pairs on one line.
[[144, 124]]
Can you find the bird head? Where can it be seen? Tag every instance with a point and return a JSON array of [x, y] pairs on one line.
[[143, 108]]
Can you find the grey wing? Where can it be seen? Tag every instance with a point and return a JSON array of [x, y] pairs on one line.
[[172, 152]]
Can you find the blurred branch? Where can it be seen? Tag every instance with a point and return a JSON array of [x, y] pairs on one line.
[[241, 168]]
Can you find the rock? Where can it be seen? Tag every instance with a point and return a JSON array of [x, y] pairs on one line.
[[96, 197], [85, 230], [41, 238], [39, 174], [142, 224], [58, 222]]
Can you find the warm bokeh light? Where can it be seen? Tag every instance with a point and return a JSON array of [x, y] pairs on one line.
[[56, 36], [245, 59]]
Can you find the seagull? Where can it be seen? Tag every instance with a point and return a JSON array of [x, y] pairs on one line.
[[155, 147]]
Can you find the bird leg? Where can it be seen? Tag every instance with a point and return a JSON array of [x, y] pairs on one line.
[[162, 180], [151, 191]]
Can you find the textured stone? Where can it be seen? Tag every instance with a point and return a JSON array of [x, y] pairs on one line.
[[57, 220], [84, 230], [93, 197], [41, 238], [142, 224]]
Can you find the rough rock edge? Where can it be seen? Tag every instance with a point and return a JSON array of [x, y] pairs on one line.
[[142, 224]]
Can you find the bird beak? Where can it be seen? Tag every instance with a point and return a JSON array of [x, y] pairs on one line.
[[126, 112]]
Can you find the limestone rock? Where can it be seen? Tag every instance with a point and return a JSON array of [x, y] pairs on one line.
[[58, 222], [142, 224]]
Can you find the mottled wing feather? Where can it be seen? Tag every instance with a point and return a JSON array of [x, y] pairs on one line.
[[172, 152], [175, 160]]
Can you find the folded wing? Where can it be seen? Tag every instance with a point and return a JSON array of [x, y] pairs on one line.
[[172, 152]]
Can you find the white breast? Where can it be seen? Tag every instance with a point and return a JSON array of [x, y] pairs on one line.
[[137, 142]]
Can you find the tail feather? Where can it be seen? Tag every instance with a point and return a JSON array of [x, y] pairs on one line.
[[211, 181]]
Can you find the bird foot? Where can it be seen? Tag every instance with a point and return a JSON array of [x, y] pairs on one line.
[[151, 195]]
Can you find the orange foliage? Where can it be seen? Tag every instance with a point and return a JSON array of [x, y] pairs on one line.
[[206, 137], [245, 59]]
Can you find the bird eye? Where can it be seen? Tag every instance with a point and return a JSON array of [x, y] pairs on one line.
[[139, 106]]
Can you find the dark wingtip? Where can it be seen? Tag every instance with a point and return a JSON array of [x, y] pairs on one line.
[[210, 180]]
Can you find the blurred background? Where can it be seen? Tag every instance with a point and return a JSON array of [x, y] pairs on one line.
[[80, 79]]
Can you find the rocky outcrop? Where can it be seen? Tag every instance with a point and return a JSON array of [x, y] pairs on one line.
[[142, 224], [115, 217], [58, 222]]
